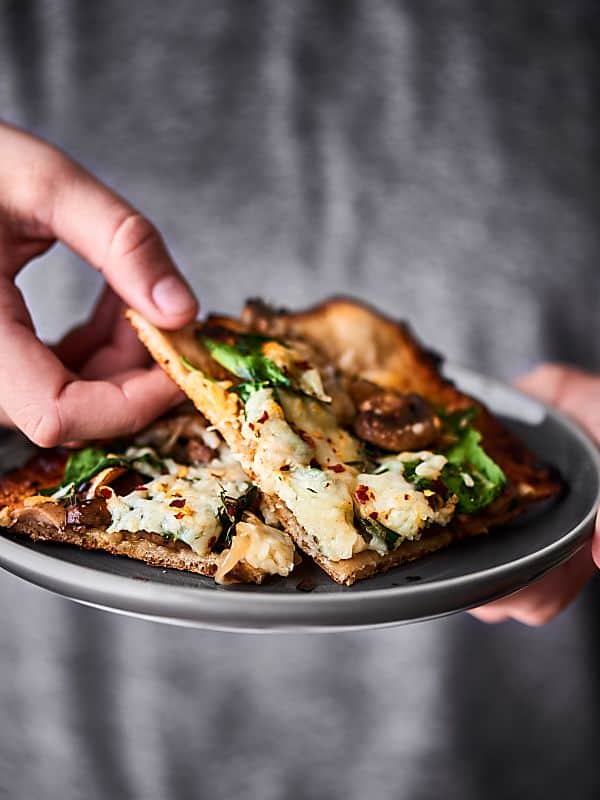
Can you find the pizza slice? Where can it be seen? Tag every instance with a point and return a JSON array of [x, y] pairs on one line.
[[172, 496], [363, 451]]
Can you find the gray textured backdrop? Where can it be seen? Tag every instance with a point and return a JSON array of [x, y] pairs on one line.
[[441, 159]]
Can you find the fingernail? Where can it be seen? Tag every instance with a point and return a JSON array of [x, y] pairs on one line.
[[172, 297]]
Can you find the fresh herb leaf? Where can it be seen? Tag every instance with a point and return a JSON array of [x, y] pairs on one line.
[[409, 470], [187, 363], [84, 464], [252, 342], [246, 361], [470, 473], [380, 469], [234, 360], [468, 463], [81, 467], [455, 422], [230, 513], [246, 389], [370, 527]]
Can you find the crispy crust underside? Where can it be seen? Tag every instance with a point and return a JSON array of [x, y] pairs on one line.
[[359, 340], [46, 522], [125, 544]]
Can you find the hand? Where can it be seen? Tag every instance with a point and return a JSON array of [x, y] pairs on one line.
[[95, 383], [577, 393]]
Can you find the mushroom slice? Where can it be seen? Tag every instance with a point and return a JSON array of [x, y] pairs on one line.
[[397, 422]]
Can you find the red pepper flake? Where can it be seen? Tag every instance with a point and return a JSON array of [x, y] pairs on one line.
[[362, 494], [179, 515], [251, 426], [284, 468], [230, 507], [407, 497], [105, 491], [264, 417], [177, 503], [337, 468]]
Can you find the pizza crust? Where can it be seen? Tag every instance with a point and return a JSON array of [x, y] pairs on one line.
[[169, 555]]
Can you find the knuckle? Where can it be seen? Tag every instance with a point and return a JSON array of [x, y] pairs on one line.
[[133, 233]]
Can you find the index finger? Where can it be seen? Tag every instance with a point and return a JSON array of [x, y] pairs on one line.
[[50, 193]]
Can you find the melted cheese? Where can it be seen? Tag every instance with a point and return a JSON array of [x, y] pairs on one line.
[[331, 444], [183, 504], [392, 501], [260, 546], [321, 500], [324, 507], [290, 435], [430, 467]]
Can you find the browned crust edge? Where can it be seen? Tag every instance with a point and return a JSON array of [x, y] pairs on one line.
[[122, 543]]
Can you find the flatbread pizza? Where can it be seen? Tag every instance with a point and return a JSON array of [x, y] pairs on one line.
[[362, 451]]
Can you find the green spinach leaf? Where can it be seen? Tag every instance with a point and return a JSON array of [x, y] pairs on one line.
[[471, 474], [455, 422], [370, 527], [409, 470], [230, 513], [81, 467], [246, 361], [84, 464]]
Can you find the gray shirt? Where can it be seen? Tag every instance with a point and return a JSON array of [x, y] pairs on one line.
[[440, 160]]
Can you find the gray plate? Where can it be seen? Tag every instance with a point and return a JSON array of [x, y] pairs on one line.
[[462, 576]]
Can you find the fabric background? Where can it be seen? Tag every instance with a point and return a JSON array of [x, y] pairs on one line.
[[441, 159]]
